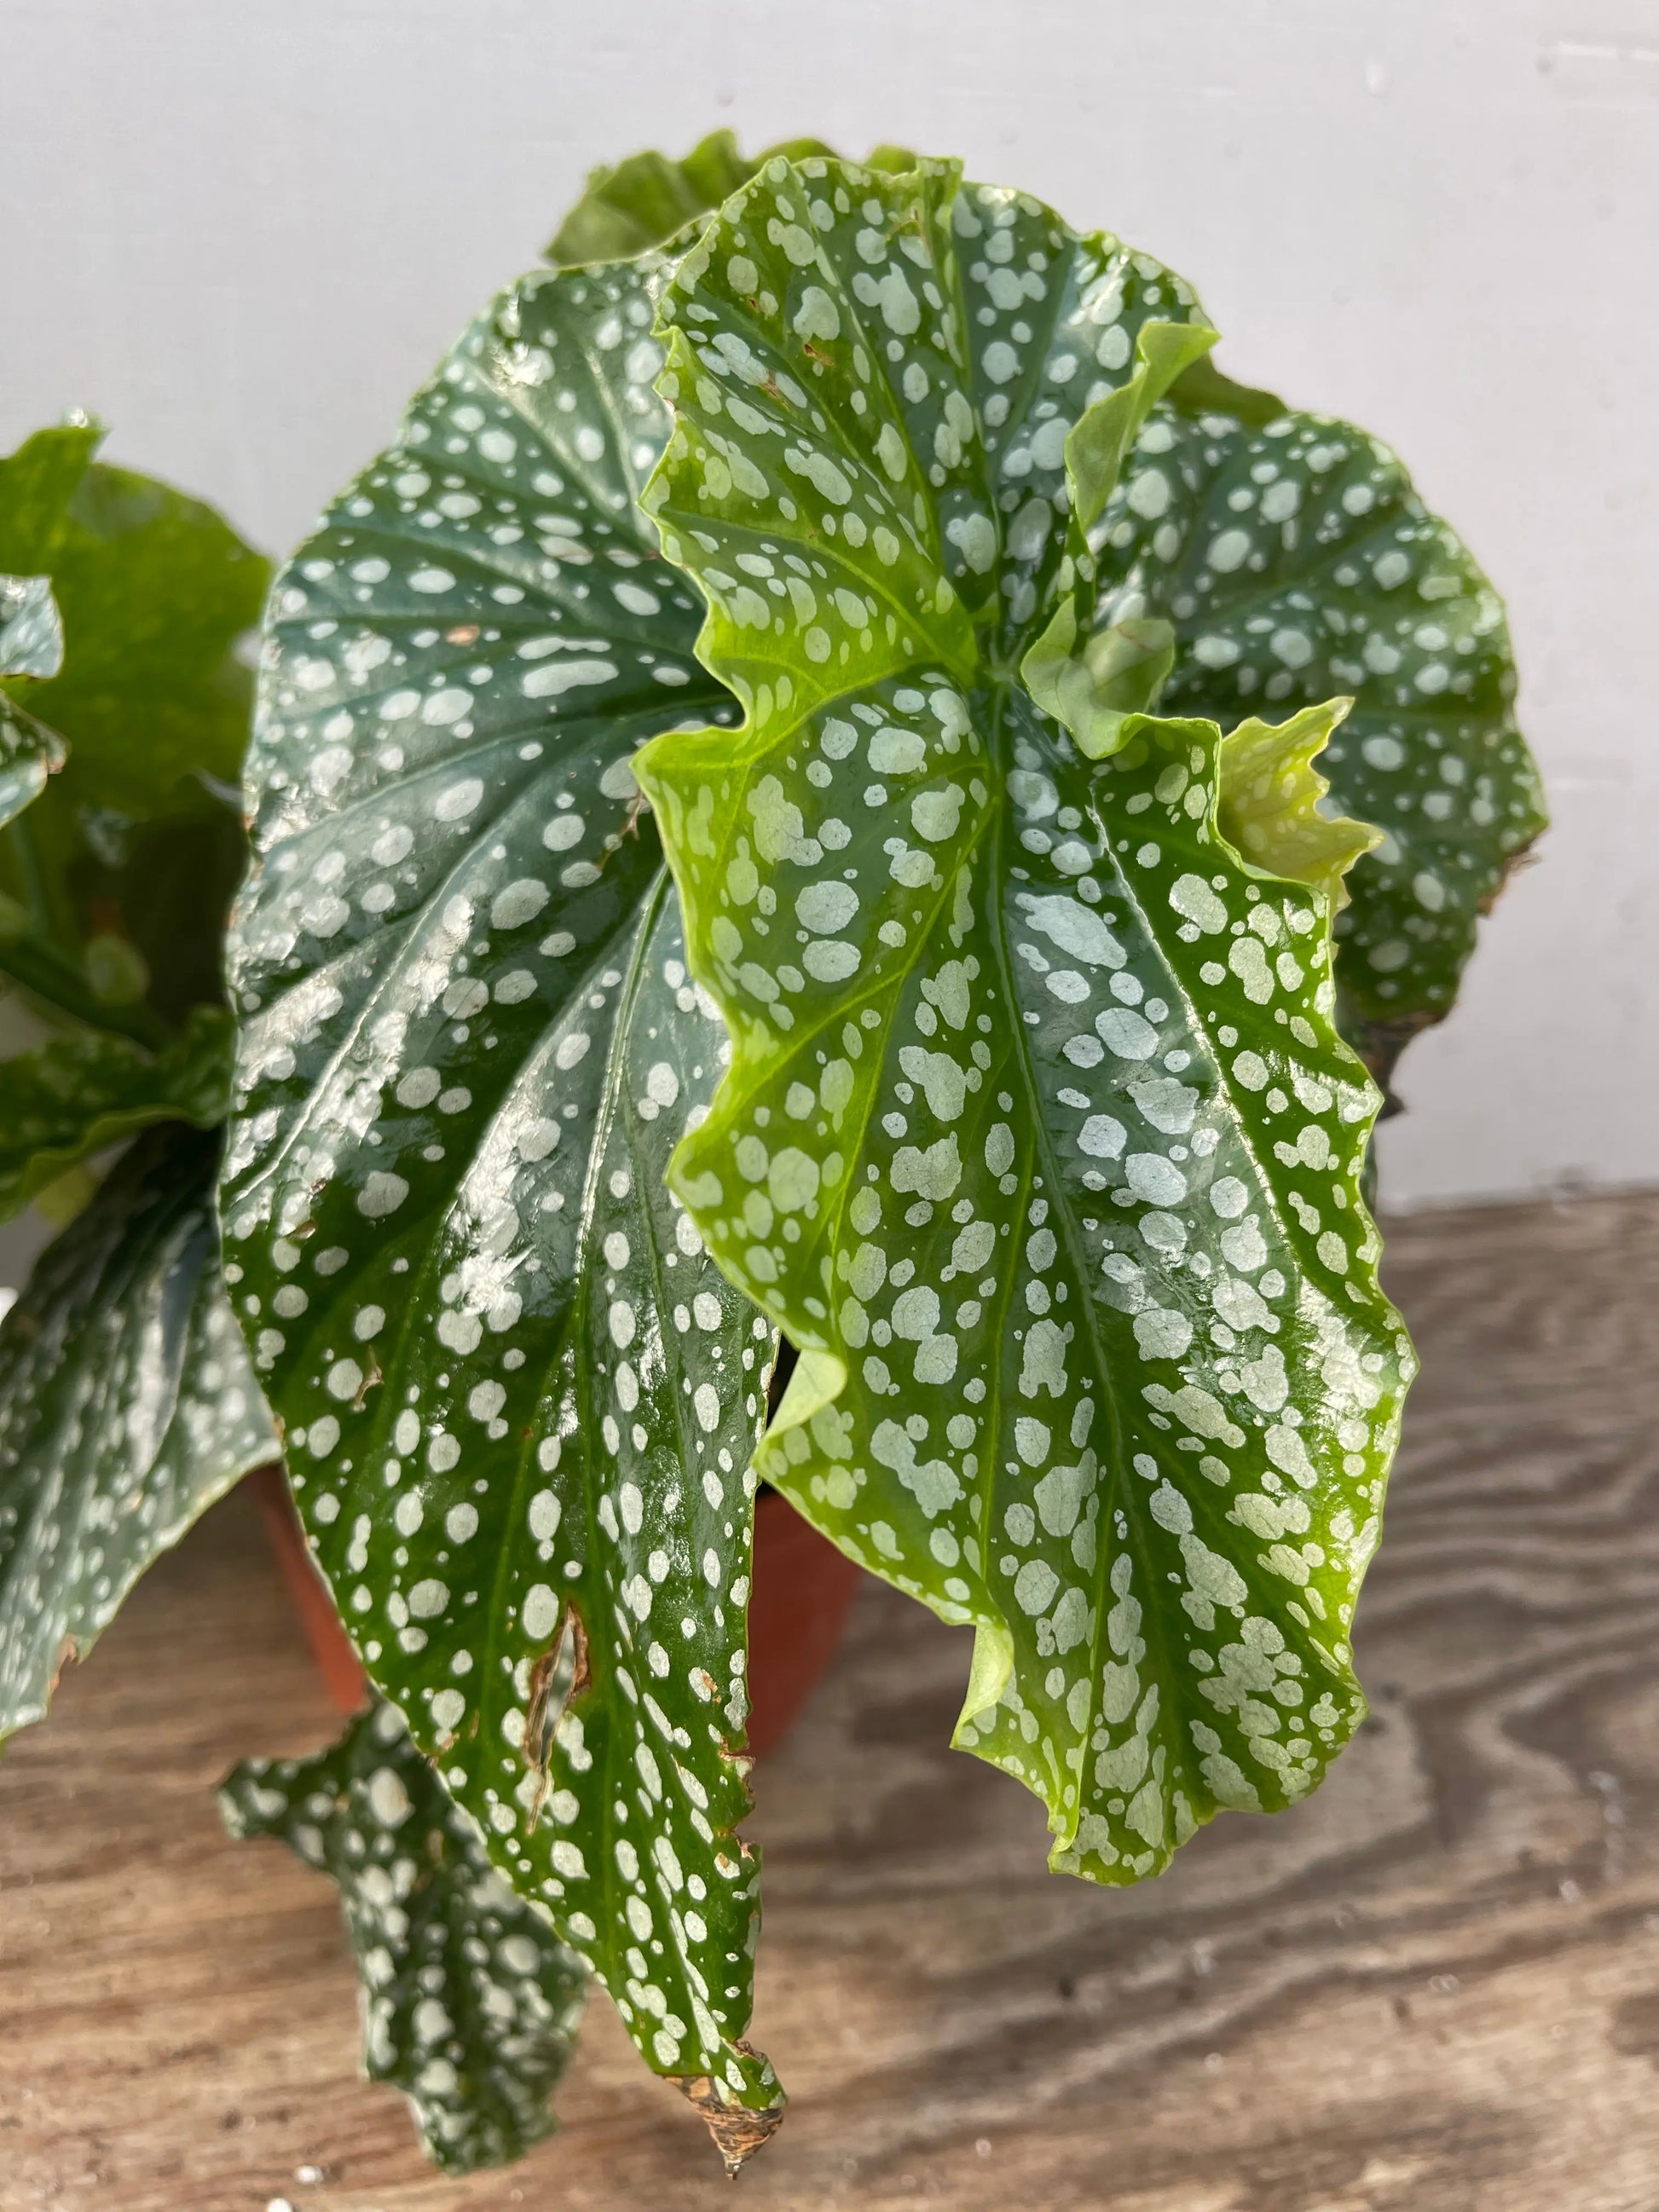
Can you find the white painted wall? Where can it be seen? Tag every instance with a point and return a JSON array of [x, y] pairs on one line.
[[242, 230]]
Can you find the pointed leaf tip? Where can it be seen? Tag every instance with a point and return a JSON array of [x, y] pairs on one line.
[[1296, 563], [738, 2130]]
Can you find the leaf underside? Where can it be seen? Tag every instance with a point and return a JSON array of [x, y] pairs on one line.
[[519, 1400], [1037, 1137], [471, 2004], [127, 1406]]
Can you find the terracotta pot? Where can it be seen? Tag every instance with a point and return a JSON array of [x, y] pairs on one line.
[[804, 1588]]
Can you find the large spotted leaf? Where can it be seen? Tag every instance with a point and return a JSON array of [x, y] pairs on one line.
[[1294, 560], [470, 2003], [31, 648], [1037, 1139], [127, 1406], [520, 1399]]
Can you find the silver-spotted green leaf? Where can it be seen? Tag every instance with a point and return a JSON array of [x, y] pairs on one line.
[[1295, 560], [31, 648], [87, 1088], [1037, 1139], [470, 2003], [127, 1406], [520, 1399]]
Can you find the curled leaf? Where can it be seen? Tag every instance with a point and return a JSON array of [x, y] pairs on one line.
[[1296, 562], [1037, 1137]]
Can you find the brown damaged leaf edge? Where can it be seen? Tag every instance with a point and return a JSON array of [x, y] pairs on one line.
[[738, 2131], [540, 1721]]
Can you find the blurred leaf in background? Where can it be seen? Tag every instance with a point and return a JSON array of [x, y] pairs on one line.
[[113, 887]]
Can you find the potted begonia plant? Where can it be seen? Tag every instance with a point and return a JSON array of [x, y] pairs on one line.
[[843, 835]]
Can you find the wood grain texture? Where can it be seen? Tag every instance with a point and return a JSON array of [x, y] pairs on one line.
[[1433, 1988]]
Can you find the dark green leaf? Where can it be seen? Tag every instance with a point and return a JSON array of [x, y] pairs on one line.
[[127, 1406], [84, 1090], [519, 1398], [1295, 561], [470, 2003], [1037, 1139]]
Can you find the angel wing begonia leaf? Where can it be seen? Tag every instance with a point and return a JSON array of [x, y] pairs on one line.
[[127, 1406], [470, 2003], [1037, 1139], [1295, 560], [520, 1399]]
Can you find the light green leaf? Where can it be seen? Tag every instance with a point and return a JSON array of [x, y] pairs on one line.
[[127, 1406], [520, 1399], [1272, 802], [85, 1090], [1038, 1140], [647, 199], [1295, 560], [124, 864], [470, 2003], [31, 647]]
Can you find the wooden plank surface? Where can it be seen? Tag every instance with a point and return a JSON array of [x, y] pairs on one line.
[[1433, 1988]]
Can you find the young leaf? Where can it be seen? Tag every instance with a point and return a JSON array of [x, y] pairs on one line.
[[84, 1090], [470, 2003], [114, 886], [1294, 560], [520, 1401], [31, 647], [127, 1406], [1037, 1137]]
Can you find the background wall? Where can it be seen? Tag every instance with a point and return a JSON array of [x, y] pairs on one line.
[[241, 231]]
